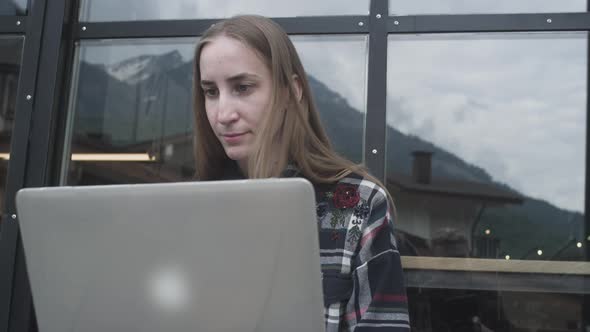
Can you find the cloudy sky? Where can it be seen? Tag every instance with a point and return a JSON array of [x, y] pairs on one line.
[[409, 7], [513, 104], [101, 10]]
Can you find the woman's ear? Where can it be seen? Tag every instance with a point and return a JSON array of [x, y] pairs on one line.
[[296, 82]]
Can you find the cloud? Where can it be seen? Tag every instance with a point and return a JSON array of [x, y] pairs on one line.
[[521, 103], [340, 62], [406, 7], [116, 10], [108, 52]]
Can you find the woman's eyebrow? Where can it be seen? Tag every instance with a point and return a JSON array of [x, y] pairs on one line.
[[241, 76], [235, 78]]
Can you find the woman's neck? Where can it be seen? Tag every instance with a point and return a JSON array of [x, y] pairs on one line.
[[243, 165]]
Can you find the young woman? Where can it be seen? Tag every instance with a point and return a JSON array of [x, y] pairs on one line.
[[255, 118]]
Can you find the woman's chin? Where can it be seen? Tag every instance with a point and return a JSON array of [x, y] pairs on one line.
[[235, 154]]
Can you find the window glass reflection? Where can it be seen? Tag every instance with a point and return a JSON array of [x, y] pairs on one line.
[[131, 119], [131, 109], [13, 7], [486, 144], [336, 68], [407, 7], [115, 10], [434, 309], [10, 60]]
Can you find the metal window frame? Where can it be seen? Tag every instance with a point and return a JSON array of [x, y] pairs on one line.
[[37, 167], [190, 28], [586, 302], [10, 252], [48, 63], [375, 120], [13, 24], [489, 23], [350, 24], [29, 149]]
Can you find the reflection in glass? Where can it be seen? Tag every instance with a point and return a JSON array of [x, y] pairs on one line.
[[115, 10], [131, 120], [476, 310], [10, 59], [408, 7], [13, 7], [486, 144], [336, 68]]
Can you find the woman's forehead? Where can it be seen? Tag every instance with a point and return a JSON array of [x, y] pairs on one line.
[[226, 55]]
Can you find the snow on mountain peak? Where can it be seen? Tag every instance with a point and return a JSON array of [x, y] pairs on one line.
[[139, 68]]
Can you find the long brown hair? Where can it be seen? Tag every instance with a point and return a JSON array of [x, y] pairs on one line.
[[291, 133]]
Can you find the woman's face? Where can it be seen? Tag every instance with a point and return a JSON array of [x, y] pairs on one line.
[[237, 86]]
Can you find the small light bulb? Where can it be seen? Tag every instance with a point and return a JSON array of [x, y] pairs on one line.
[[488, 232], [507, 257], [579, 244], [539, 252]]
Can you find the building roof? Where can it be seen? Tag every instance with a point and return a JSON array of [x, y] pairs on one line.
[[459, 189]]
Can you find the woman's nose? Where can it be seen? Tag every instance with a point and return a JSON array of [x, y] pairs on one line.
[[227, 111]]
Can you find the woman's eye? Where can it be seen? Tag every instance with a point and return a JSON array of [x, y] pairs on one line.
[[210, 92], [242, 88]]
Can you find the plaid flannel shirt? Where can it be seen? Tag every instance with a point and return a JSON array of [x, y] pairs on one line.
[[363, 281]]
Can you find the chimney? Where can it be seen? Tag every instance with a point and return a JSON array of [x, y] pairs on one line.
[[421, 167]]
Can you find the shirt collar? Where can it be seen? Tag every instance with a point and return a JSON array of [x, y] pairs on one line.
[[291, 171]]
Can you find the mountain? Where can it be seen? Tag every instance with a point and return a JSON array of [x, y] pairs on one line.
[[140, 68], [137, 100], [146, 98]]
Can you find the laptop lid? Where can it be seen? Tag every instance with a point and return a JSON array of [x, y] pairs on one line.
[[200, 256]]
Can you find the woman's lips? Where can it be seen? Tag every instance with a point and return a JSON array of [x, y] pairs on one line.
[[233, 138]]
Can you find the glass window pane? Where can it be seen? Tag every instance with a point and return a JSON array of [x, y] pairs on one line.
[[441, 309], [486, 144], [10, 61], [132, 100], [408, 7], [132, 118], [115, 10], [13, 7], [336, 68]]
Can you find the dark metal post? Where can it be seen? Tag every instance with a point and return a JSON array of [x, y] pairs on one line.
[[26, 98], [586, 232], [375, 123], [30, 148]]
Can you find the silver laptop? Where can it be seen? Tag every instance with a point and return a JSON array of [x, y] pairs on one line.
[[200, 256]]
